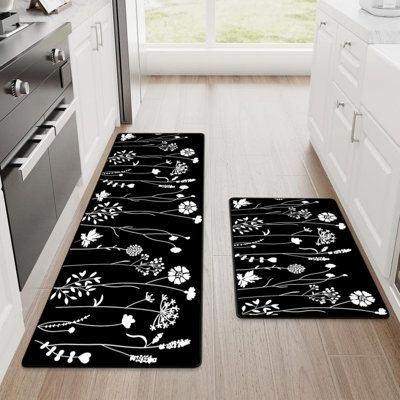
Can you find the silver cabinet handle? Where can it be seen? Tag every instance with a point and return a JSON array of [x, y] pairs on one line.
[[97, 48], [340, 104], [26, 164], [353, 128], [67, 111], [99, 24], [346, 44], [322, 23]]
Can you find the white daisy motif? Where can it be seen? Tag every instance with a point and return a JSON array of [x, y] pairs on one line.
[[187, 152], [327, 217], [190, 293], [249, 277], [187, 207], [91, 237], [178, 275], [361, 298], [240, 203], [127, 321], [102, 195]]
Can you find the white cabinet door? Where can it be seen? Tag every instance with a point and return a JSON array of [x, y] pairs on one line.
[[11, 321], [321, 78], [375, 192], [83, 46], [340, 148], [107, 78]]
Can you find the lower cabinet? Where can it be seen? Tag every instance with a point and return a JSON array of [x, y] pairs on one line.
[[339, 149], [374, 197], [94, 71], [12, 324]]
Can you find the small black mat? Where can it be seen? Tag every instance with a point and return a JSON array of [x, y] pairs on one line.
[[130, 291], [295, 258]]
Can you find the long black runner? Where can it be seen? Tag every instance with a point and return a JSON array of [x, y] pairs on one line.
[[130, 291], [295, 258]]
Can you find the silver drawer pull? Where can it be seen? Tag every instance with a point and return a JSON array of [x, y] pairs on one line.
[[68, 110], [340, 104], [346, 44], [26, 164], [100, 26], [353, 128], [322, 23]]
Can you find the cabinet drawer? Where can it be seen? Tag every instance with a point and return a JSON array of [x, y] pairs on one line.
[[382, 87], [350, 62], [340, 149], [326, 23], [375, 192]]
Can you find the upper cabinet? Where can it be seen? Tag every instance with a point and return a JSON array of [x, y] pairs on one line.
[[353, 123], [93, 62]]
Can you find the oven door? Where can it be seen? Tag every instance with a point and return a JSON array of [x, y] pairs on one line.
[[64, 152], [28, 189]]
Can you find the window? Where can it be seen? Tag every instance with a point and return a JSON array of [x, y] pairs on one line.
[[265, 21], [175, 21], [234, 21]]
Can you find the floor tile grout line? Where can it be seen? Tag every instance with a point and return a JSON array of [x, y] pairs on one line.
[[328, 360], [396, 382]]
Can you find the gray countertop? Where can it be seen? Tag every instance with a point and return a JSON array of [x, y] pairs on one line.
[[371, 29], [80, 11]]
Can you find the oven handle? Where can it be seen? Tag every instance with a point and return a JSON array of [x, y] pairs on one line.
[[26, 164], [68, 110]]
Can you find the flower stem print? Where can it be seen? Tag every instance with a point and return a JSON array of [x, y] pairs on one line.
[[128, 292], [295, 257]]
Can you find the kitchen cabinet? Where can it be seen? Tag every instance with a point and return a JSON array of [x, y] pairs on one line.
[[352, 114], [106, 70], [321, 77], [11, 321], [93, 62], [339, 151], [375, 187]]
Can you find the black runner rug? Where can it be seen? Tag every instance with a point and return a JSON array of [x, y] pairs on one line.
[[295, 258], [130, 291]]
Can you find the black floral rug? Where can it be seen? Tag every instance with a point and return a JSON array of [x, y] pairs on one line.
[[130, 291], [295, 258]]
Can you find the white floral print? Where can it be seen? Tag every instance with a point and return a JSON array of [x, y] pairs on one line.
[[327, 217], [134, 250], [187, 152], [90, 237], [178, 275], [362, 298], [127, 321], [240, 203], [296, 269], [187, 207], [190, 293], [247, 278], [102, 195]]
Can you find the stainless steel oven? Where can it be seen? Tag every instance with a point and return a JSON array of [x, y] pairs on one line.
[[39, 150]]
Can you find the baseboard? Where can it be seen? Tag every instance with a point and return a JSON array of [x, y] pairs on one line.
[[227, 61]]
